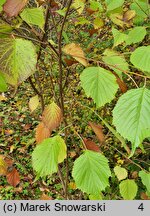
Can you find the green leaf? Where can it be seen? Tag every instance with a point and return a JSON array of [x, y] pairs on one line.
[[94, 5], [1, 4], [131, 116], [61, 12], [145, 179], [120, 172], [82, 21], [113, 4], [142, 10], [34, 16], [3, 85], [136, 35], [91, 172], [128, 189], [140, 58], [17, 59], [100, 84], [119, 37], [115, 61], [47, 155]]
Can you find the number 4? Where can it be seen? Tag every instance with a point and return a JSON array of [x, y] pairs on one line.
[[141, 207]]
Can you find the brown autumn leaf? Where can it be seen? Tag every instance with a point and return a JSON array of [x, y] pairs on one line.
[[122, 85], [90, 11], [3, 166], [13, 177], [128, 15], [9, 162], [76, 52], [98, 131], [52, 116], [70, 62], [45, 197], [12, 8], [144, 196], [90, 145], [92, 31], [42, 132]]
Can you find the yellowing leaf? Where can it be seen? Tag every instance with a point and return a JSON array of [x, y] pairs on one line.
[[33, 103], [12, 8], [120, 172], [42, 132], [128, 15], [3, 166], [52, 116], [79, 5], [76, 52], [98, 23]]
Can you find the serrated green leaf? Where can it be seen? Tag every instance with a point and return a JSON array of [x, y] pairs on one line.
[[34, 16], [100, 84], [131, 116], [115, 61], [119, 37], [120, 172], [113, 4], [47, 155], [3, 85], [140, 58], [91, 172], [17, 59], [128, 189], [136, 35], [96, 196], [145, 177]]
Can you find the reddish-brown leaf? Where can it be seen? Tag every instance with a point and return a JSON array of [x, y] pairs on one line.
[[92, 31], [9, 162], [90, 11], [13, 177], [98, 131], [144, 196], [70, 62], [42, 132], [52, 116], [13, 7], [122, 85], [90, 145]]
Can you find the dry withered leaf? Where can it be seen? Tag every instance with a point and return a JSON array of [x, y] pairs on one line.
[[12, 8], [52, 116], [122, 85], [90, 145], [70, 62], [13, 177], [98, 131], [42, 132], [45, 197], [144, 196], [76, 52]]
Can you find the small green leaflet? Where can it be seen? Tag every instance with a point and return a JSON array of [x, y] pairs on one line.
[[136, 35], [145, 177], [94, 5], [91, 172], [79, 5], [17, 59], [115, 61], [47, 155], [128, 189], [131, 116], [120, 172], [100, 84], [140, 58], [34, 16], [119, 37]]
